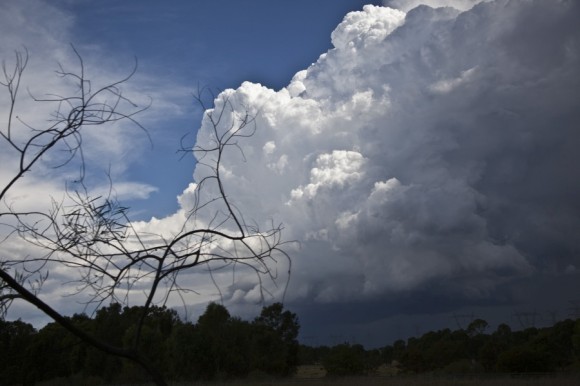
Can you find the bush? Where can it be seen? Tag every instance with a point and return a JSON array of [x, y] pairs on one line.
[[345, 359]]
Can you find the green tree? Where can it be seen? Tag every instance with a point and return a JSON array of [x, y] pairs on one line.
[[435, 350], [307, 355], [212, 343], [237, 361], [399, 348], [50, 353], [181, 352], [345, 360], [388, 354], [373, 359], [15, 342], [477, 327], [152, 343], [107, 326], [523, 359], [576, 344], [283, 322], [275, 344]]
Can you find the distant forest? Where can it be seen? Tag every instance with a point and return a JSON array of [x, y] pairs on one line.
[[473, 350], [220, 346]]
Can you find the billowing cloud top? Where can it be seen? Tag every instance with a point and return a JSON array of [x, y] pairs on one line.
[[435, 144]]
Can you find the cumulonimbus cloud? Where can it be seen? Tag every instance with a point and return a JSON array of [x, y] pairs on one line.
[[427, 145]]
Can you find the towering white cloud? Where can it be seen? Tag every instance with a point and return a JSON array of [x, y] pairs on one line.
[[428, 145]]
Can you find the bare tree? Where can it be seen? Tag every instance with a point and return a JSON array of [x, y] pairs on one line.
[[93, 237]]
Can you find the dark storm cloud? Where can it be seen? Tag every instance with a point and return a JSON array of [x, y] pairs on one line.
[[429, 146], [426, 163]]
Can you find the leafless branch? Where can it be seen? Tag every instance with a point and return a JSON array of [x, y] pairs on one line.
[[93, 236]]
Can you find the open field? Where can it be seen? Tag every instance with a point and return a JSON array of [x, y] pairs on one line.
[[314, 375], [363, 381], [500, 380]]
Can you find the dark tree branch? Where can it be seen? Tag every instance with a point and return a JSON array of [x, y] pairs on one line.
[[93, 236]]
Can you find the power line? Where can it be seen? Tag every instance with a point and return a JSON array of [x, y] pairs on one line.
[[526, 319], [574, 310], [463, 319]]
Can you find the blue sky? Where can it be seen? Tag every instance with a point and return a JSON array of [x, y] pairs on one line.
[[422, 152], [215, 44], [218, 43]]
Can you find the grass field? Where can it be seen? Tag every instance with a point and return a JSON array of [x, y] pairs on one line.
[[544, 380], [376, 381], [315, 375]]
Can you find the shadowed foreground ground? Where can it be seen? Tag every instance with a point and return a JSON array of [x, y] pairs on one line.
[[527, 380]]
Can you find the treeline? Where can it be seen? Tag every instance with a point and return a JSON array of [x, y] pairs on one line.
[[220, 346], [217, 346], [471, 350]]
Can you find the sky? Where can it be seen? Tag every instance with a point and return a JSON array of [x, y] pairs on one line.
[[422, 153]]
